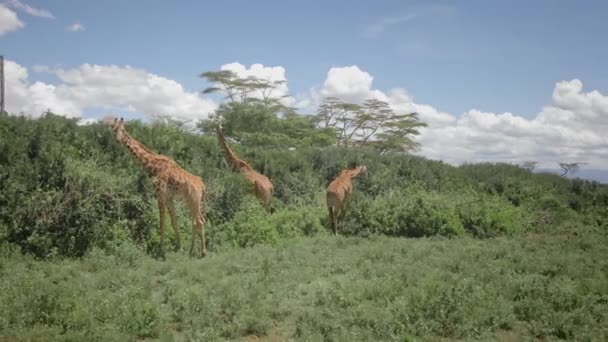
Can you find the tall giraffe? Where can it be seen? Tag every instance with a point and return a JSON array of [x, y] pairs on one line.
[[338, 192], [170, 181], [262, 186]]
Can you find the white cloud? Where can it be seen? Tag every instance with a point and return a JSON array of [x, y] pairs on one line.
[[572, 128], [76, 27], [33, 98], [37, 12], [272, 74], [9, 21], [97, 86], [352, 84], [348, 83], [86, 122]]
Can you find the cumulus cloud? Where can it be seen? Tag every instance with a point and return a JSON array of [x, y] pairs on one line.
[[76, 27], [272, 74], [9, 21], [349, 83], [33, 99], [86, 122], [37, 12], [571, 128], [352, 84], [98, 86]]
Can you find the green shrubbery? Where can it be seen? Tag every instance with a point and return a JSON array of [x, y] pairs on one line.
[[65, 189], [321, 288], [72, 191]]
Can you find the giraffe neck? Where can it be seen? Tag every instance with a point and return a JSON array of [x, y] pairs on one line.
[[348, 174], [148, 158], [228, 153]]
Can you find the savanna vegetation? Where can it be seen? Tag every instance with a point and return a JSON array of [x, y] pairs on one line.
[[429, 251]]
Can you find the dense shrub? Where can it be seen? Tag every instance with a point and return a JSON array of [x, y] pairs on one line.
[[414, 214], [252, 225], [65, 189]]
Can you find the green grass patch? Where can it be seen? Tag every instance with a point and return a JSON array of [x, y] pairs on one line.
[[314, 289]]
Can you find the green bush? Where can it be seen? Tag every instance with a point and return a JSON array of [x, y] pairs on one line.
[[252, 225], [490, 216], [403, 214], [65, 189]]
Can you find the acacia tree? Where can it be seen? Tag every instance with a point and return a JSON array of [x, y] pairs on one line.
[[249, 100], [372, 123], [569, 167], [529, 165], [252, 90], [254, 113]]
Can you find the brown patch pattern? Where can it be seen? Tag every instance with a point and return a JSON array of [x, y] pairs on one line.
[[170, 182], [338, 192], [262, 187]]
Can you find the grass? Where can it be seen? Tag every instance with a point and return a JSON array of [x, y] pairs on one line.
[[316, 289]]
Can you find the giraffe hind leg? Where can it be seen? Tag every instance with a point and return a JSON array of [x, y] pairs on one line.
[[333, 219], [198, 227], [200, 223], [171, 209]]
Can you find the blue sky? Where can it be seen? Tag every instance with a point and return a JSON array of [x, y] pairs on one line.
[[458, 55], [466, 65]]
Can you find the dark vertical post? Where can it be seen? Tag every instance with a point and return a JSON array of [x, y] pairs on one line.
[[1, 85]]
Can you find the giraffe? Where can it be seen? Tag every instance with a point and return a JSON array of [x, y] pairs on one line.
[[338, 192], [262, 187], [170, 181]]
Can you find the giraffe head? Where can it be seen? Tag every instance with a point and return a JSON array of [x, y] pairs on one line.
[[357, 170], [118, 126], [241, 164]]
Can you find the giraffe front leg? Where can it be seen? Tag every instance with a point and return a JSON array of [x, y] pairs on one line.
[[338, 214], [178, 240], [198, 228], [161, 212]]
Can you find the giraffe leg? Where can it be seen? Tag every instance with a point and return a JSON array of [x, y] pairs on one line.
[[338, 214], [171, 208], [200, 224], [192, 240], [198, 227], [268, 207], [332, 219], [161, 211], [337, 211]]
